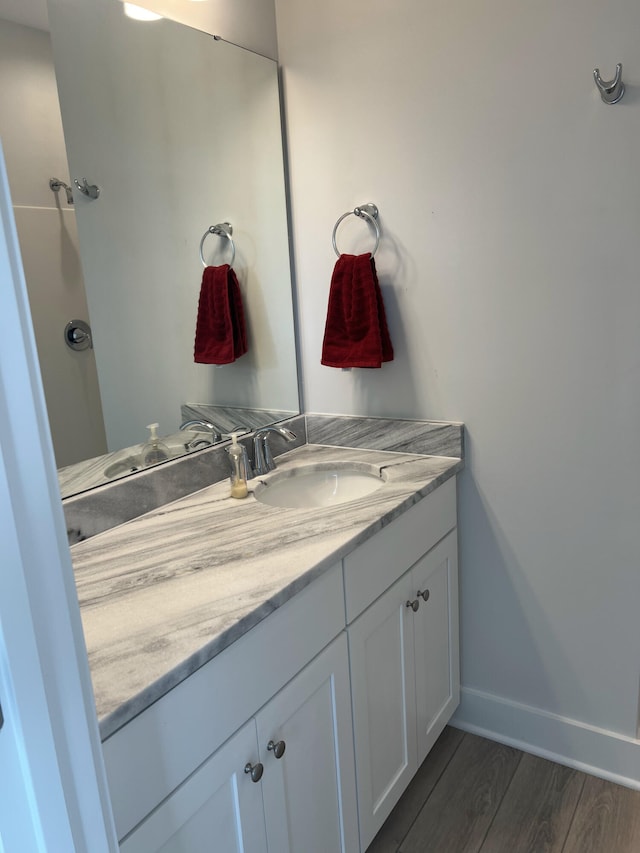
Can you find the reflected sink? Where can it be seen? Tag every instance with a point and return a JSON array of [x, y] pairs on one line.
[[175, 444], [128, 465], [319, 485]]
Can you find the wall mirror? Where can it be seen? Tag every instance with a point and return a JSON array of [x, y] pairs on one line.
[[180, 131]]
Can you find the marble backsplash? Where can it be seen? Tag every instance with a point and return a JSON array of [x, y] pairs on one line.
[[100, 509], [429, 438], [228, 419]]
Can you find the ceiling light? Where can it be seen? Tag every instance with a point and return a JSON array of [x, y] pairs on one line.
[[140, 14]]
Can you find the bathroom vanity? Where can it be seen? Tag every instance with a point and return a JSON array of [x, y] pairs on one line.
[[271, 677]]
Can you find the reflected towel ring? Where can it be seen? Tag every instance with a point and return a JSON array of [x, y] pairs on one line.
[[223, 229], [364, 211]]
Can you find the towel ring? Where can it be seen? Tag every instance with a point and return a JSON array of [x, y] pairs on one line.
[[364, 211], [223, 229]]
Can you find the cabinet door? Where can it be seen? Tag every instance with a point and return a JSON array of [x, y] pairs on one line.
[[309, 792], [217, 808], [384, 704], [436, 641]]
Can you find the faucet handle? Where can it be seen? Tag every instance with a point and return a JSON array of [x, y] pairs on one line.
[[247, 461], [260, 447], [263, 460], [267, 455]]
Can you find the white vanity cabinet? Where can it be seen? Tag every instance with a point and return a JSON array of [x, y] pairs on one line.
[[176, 771], [298, 793], [219, 804], [336, 697], [309, 792], [403, 651]]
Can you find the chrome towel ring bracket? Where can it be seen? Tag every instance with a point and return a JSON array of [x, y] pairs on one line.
[[223, 229], [364, 211], [611, 91]]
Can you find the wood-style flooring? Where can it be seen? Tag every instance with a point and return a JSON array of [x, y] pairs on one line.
[[472, 795]]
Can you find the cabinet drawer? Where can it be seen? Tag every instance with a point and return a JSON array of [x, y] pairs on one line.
[[150, 756], [380, 561]]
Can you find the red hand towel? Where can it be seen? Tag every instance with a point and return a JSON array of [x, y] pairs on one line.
[[356, 333], [220, 331]]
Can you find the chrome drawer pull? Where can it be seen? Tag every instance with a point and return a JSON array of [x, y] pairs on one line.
[[256, 771], [277, 748]]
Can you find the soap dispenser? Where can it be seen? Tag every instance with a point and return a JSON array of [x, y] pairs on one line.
[[154, 450], [238, 460]]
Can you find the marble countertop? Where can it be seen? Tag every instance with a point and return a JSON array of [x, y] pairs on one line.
[[164, 593]]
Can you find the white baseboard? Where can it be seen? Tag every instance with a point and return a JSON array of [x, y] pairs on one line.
[[593, 750]]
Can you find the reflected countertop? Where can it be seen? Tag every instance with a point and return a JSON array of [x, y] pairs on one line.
[[163, 594], [90, 473]]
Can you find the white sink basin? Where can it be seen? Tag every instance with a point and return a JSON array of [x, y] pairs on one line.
[[319, 485]]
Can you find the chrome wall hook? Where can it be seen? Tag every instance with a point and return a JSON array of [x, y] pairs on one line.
[[90, 190], [610, 91]]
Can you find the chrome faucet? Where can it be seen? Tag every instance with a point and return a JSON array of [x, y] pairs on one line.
[[263, 461], [201, 426]]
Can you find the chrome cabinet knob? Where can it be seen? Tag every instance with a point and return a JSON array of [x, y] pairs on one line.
[[424, 594], [277, 748], [256, 771], [413, 604]]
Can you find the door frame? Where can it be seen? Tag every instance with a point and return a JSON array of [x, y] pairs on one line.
[[55, 795]]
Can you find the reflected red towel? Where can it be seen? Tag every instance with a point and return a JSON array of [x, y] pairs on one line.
[[220, 331], [356, 333]]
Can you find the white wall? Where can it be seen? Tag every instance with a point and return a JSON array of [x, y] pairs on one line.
[[31, 130], [509, 197]]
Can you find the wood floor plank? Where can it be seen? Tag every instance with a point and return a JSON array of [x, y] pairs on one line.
[[404, 814], [537, 810], [607, 819], [460, 810]]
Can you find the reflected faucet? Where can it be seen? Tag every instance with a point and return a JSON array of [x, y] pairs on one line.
[[201, 426], [263, 461]]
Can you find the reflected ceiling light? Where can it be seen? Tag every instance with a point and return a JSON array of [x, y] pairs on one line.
[[140, 14]]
